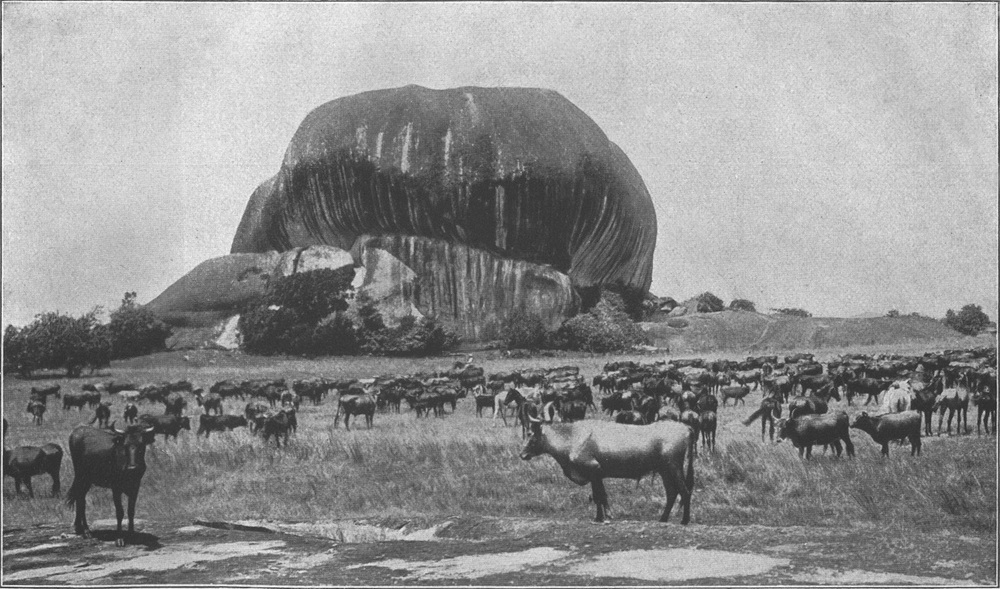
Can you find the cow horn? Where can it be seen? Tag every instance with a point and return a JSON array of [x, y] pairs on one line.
[[117, 431], [148, 430], [534, 419]]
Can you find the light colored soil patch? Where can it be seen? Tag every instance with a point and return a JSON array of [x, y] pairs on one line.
[[34, 549], [351, 532], [679, 564], [473, 566], [167, 558], [856, 577]]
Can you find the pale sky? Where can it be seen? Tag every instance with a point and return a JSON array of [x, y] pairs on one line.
[[841, 158]]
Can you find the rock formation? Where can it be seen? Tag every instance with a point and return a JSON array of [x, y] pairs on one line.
[[465, 204]]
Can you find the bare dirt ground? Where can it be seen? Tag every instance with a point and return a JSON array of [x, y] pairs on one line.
[[492, 551]]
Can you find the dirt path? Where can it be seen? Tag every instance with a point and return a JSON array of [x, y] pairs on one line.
[[492, 551]]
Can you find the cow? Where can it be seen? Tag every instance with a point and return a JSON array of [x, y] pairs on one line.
[[954, 401], [986, 403], [707, 424], [769, 411], [896, 400], [806, 406], [168, 425], [691, 419], [280, 425], [174, 403], [483, 401], [78, 400], [112, 459], [209, 423], [43, 393], [252, 412], [807, 430], [131, 413], [891, 426], [866, 386], [24, 462], [356, 404], [130, 395], [573, 411], [102, 414], [37, 409], [290, 398], [631, 418], [502, 399], [591, 451], [736, 393], [211, 403]]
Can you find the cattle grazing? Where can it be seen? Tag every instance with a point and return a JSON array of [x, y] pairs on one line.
[[735, 393], [168, 425], [355, 404], [483, 401], [24, 462], [808, 430], [37, 410], [131, 413], [891, 426], [986, 403], [707, 424], [866, 386], [591, 451], [78, 400], [954, 401], [219, 423], [111, 459], [174, 403], [102, 414], [252, 412], [43, 393], [280, 425], [212, 402], [570, 411], [806, 406], [769, 411]]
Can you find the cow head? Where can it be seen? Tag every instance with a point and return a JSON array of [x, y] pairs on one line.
[[863, 422], [783, 427], [186, 423], [535, 445], [130, 447]]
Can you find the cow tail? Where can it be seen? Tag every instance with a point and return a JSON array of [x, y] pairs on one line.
[[753, 416]]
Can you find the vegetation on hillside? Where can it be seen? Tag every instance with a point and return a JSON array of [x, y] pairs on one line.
[[742, 305], [971, 320], [792, 312]]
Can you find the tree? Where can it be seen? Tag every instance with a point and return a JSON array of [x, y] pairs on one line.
[[892, 313], [709, 303], [523, 330], [971, 320], [133, 331], [54, 340], [742, 305]]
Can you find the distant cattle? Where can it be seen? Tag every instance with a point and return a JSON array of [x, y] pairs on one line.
[[219, 423], [278, 425], [102, 414], [24, 462], [769, 412], [37, 410], [168, 425], [174, 403], [357, 404], [808, 430], [736, 393], [707, 425], [131, 413], [212, 402]]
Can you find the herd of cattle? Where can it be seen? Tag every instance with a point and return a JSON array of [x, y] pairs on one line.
[[677, 403]]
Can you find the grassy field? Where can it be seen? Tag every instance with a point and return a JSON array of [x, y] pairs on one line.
[[461, 464]]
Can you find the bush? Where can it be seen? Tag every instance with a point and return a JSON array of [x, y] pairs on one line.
[[53, 341], [792, 312], [605, 328], [632, 298], [742, 305], [892, 313], [709, 303], [971, 320], [412, 337], [523, 329], [133, 331], [297, 314]]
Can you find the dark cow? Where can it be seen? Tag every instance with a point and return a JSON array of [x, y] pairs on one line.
[[570, 411], [356, 404], [211, 403], [102, 414], [24, 462], [986, 403], [43, 393], [279, 425], [631, 418], [891, 426], [131, 413], [808, 430], [691, 419], [78, 400], [954, 401], [252, 412], [483, 401], [290, 399], [219, 423], [707, 424], [866, 386], [228, 389], [806, 406], [591, 451], [174, 403], [769, 411], [37, 410], [168, 425], [111, 459]]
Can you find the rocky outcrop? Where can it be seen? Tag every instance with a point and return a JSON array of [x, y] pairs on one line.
[[469, 290], [520, 173]]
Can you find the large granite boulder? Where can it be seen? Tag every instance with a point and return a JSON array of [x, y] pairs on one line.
[[521, 173]]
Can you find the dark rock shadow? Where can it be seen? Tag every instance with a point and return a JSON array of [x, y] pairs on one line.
[[150, 541]]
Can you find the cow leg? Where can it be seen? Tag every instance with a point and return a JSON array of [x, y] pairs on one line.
[[347, 417], [80, 523], [55, 482], [600, 498], [132, 498], [119, 515], [885, 449], [915, 445]]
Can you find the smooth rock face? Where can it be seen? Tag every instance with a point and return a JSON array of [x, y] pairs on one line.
[[469, 290], [316, 257], [518, 172]]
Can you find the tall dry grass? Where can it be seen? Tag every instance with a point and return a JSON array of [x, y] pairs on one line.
[[463, 465]]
